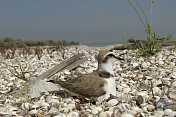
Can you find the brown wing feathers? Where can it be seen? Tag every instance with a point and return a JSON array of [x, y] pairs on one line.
[[85, 86]]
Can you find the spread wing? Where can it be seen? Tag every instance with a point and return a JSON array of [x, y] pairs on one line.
[[90, 85]]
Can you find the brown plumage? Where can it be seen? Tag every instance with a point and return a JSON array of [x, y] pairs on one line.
[[85, 85], [99, 84], [101, 55]]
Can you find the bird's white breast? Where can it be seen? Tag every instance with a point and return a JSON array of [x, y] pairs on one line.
[[109, 88]]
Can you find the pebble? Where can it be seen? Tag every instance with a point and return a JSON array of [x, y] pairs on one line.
[[157, 91], [70, 106], [126, 90], [144, 65], [119, 87], [173, 74], [32, 112], [136, 109], [139, 100], [133, 78], [150, 108], [127, 115], [123, 107], [66, 72], [132, 112], [135, 65], [53, 110], [96, 110], [61, 115], [143, 94], [26, 106], [112, 102], [73, 114], [160, 103], [172, 95], [104, 114], [109, 112], [160, 62], [173, 114], [148, 77], [158, 113], [167, 111], [171, 106]]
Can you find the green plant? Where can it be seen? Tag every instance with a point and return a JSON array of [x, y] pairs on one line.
[[151, 46], [154, 42], [174, 47]]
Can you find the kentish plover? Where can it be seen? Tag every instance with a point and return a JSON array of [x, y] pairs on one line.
[[99, 84]]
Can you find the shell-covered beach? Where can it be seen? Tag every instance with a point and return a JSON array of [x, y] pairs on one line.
[[146, 86]]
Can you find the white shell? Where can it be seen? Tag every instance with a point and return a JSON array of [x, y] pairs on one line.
[[167, 111], [73, 114], [173, 114], [96, 110], [32, 112], [172, 95], [104, 114], [127, 115], [26, 106], [158, 113], [135, 65], [160, 68], [112, 102], [144, 65]]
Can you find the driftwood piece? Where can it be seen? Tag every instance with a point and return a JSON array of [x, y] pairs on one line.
[[119, 48], [167, 43], [75, 64], [35, 87], [133, 44], [68, 64]]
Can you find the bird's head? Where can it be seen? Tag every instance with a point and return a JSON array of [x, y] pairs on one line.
[[107, 56], [105, 60]]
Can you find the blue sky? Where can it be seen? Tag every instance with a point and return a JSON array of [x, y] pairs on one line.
[[75, 20]]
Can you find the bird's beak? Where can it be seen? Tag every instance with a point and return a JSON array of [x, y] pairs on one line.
[[119, 58]]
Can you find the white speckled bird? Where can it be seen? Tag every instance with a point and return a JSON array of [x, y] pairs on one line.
[[99, 84]]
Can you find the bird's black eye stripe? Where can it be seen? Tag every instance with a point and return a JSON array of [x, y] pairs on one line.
[[111, 55]]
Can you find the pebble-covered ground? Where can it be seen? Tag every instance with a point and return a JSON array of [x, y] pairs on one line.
[[145, 85]]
